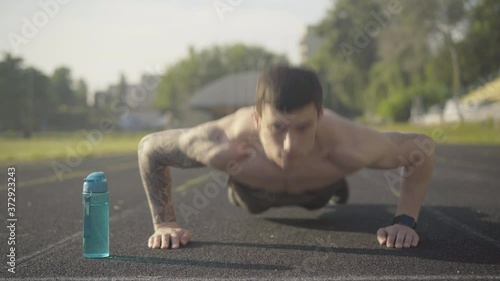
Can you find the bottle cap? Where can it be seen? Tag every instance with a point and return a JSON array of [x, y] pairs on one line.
[[95, 183]]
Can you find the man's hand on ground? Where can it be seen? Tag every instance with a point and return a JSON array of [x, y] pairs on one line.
[[398, 236], [169, 234]]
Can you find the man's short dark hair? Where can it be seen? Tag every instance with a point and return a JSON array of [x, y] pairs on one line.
[[288, 88]]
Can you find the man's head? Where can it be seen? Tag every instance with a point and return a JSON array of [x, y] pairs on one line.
[[289, 103]]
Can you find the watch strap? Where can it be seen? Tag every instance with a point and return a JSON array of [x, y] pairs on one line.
[[405, 220]]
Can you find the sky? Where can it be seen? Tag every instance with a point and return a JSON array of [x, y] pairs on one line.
[[98, 40]]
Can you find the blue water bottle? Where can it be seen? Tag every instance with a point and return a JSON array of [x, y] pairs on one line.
[[95, 216]]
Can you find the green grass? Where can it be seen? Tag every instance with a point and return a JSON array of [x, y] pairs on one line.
[[56, 145], [455, 133]]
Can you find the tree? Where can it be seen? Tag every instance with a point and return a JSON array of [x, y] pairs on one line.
[[450, 13], [13, 91], [375, 59], [480, 51], [26, 96], [122, 89], [33, 101], [62, 91], [81, 93], [347, 54], [405, 49], [40, 104]]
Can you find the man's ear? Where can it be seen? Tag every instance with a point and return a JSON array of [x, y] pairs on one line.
[[320, 113], [256, 118]]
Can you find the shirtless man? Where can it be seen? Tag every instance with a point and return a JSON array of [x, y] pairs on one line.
[[285, 150]]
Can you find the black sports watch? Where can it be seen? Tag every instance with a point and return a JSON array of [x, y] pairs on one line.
[[405, 220]]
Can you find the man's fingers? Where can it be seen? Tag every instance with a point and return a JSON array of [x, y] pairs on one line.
[[397, 236], [186, 236], [156, 241], [175, 240], [414, 241], [165, 240], [400, 238], [381, 236], [409, 237], [391, 238], [150, 241]]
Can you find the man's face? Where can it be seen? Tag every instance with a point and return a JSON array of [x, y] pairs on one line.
[[287, 137]]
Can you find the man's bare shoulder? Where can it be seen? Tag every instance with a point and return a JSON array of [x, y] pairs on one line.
[[230, 124], [343, 138], [336, 129], [362, 144], [213, 143], [238, 124], [343, 130]]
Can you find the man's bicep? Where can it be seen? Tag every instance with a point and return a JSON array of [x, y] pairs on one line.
[[380, 150], [393, 149], [203, 141], [376, 149], [164, 149], [384, 151]]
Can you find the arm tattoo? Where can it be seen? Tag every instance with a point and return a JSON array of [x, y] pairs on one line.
[[199, 142], [399, 138], [157, 152]]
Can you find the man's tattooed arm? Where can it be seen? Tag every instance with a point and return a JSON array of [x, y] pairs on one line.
[[157, 152], [399, 138]]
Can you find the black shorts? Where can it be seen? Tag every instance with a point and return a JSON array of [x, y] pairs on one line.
[[257, 200]]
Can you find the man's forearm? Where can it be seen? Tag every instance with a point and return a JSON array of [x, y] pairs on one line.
[[157, 152], [158, 188], [414, 187]]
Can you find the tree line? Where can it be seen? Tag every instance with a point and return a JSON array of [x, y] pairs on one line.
[[377, 56], [32, 100]]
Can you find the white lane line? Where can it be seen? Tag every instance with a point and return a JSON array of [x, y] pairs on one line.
[[71, 175], [78, 234], [48, 248], [460, 226], [441, 216], [348, 277]]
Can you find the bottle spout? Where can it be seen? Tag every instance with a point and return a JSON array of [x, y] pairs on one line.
[[95, 183]]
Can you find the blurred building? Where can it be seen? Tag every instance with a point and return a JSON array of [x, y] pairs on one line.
[[139, 101], [477, 106], [225, 95], [309, 44]]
